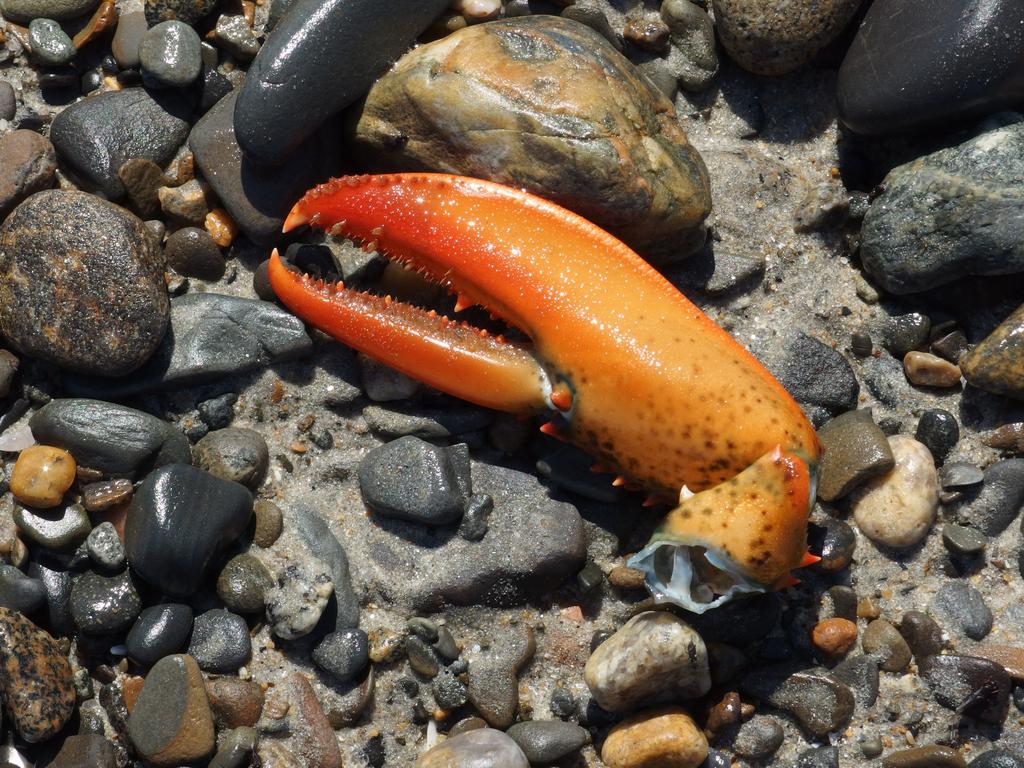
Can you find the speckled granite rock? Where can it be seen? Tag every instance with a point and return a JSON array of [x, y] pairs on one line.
[[477, 103], [997, 363], [36, 686]]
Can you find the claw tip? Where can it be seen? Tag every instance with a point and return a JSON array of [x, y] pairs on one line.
[[296, 218]]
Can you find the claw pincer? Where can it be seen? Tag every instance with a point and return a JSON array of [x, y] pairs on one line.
[[625, 366]]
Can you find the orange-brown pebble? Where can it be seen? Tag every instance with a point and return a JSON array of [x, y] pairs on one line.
[[130, 691], [665, 738], [41, 475], [834, 637], [868, 609], [103, 19], [221, 227], [928, 370], [623, 577]]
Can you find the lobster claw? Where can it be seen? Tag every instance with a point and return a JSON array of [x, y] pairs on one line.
[[629, 370]]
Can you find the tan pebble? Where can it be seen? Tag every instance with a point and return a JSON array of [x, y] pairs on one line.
[[928, 370], [647, 32], [662, 738], [269, 523], [834, 637], [41, 476], [1008, 657], [221, 227], [868, 609], [623, 577]]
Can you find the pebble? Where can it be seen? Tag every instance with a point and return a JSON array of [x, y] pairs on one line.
[[975, 687], [8, 102], [24, 11], [188, 205], [478, 747], [692, 33], [883, 641], [758, 738], [326, 548], [773, 37], [998, 501], [960, 474], [38, 687], [819, 757], [159, 631], [316, 38], [962, 540], [236, 36], [941, 79], [492, 682], [931, 756], [131, 27], [938, 430], [952, 346], [547, 741], [86, 750], [922, 634], [141, 179], [104, 604], [220, 642], [60, 529], [190, 251], [218, 412], [959, 607], [666, 736], [188, 11], [179, 521], [817, 700], [834, 637], [653, 656], [28, 165], [995, 364], [834, 542], [171, 722], [855, 450], [898, 509], [106, 494], [106, 326], [95, 136], [927, 370], [243, 583], [860, 674], [824, 207], [312, 735], [42, 475], [113, 439], [105, 547], [901, 334], [236, 703], [297, 600], [964, 238], [1008, 437], [235, 453], [18, 592], [997, 758], [235, 749], [56, 581], [269, 523], [815, 373], [409, 479], [170, 54], [343, 654], [50, 44], [490, 89]]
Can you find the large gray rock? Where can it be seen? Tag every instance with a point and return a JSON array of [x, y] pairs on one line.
[[211, 336], [956, 212]]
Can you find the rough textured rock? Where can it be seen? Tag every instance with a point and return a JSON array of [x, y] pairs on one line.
[[478, 103], [952, 213], [81, 284], [28, 163], [997, 363], [966, 59]]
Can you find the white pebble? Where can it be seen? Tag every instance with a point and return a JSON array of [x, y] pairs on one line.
[[898, 508], [477, 9]]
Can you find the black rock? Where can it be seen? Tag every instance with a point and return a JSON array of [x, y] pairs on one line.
[[191, 251], [996, 758], [220, 642], [102, 605], [343, 654], [159, 631], [966, 59], [922, 634], [257, 198], [818, 700], [211, 337], [961, 540], [57, 582], [998, 501], [815, 373], [19, 592], [961, 608], [114, 439], [95, 136], [218, 412], [548, 741], [90, 269], [860, 673], [180, 520], [975, 687], [351, 39], [939, 432], [758, 738], [410, 479], [60, 529], [326, 548], [905, 333], [834, 542]]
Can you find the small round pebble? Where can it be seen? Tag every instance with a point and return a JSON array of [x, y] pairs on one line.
[[220, 642], [938, 431], [449, 692], [58, 529], [758, 738], [927, 370], [883, 641], [8, 101], [343, 654], [834, 637], [41, 476], [898, 509], [961, 540], [959, 606], [104, 604], [422, 657], [105, 547], [547, 741], [190, 251], [170, 54], [922, 634], [50, 44], [656, 737], [243, 583], [269, 523], [159, 631]]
